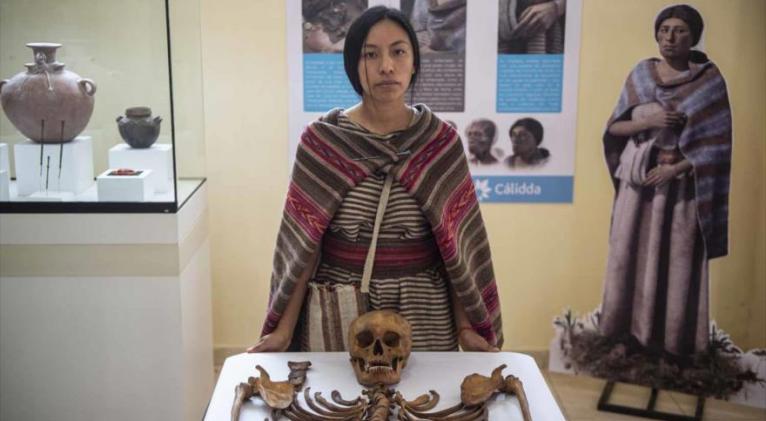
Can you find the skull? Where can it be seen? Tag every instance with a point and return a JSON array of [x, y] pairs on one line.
[[380, 343]]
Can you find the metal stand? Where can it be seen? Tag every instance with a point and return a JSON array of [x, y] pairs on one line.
[[649, 412]]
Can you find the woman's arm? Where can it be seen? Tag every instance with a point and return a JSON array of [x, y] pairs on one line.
[[661, 174], [658, 120], [279, 340], [468, 339]]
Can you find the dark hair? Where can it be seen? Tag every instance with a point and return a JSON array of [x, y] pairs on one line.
[[532, 125], [687, 14], [357, 35]]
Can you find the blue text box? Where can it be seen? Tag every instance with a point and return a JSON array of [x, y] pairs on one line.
[[325, 84], [524, 189], [529, 83]]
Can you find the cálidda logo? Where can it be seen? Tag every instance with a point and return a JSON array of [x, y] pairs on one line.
[[482, 189]]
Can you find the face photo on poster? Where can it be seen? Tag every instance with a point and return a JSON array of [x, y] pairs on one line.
[[481, 137], [667, 147], [516, 145]]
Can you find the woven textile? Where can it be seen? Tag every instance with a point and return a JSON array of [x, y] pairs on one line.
[[705, 140], [656, 285], [428, 162]]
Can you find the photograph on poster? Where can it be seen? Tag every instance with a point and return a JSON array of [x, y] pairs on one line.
[[530, 48], [439, 25], [325, 23], [531, 26], [518, 149], [667, 146], [481, 136], [526, 135]]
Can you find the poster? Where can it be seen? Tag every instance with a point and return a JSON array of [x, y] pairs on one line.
[[507, 86]]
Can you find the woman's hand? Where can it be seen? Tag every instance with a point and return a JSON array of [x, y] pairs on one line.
[[660, 175], [273, 342], [471, 341], [536, 19], [666, 119]]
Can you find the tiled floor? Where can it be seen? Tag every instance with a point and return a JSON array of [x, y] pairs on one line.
[[577, 397]]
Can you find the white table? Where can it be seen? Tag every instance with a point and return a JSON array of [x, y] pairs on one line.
[[439, 371]]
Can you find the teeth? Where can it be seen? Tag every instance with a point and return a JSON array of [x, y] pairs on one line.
[[378, 367]]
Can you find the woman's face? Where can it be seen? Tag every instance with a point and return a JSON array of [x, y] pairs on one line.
[[674, 39], [479, 138], [386, 63], [524, 143]]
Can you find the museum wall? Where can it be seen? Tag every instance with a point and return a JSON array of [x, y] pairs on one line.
[[546, 257]]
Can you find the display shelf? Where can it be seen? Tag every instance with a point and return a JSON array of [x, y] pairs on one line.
[[75, 43]]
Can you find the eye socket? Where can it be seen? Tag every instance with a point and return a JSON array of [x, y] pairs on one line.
[[370, 55], [364, 338], [391, 339]]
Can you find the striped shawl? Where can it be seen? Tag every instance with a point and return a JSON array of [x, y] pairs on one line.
[[435, 173], [705, 140]]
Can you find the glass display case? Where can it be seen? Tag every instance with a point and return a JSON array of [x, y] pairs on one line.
[[101, 105]]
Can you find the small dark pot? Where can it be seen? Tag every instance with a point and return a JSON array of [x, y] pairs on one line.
[[138, 129]]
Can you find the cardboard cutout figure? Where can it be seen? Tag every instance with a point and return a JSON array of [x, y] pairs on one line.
[[667, 147], [675, 111]]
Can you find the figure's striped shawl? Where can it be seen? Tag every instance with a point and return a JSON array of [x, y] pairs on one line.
[[705, 140], [435, 173]]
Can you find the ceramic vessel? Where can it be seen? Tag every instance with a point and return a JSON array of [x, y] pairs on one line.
[[137, 128], [47, 103]]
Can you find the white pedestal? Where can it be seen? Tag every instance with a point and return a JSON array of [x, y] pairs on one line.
[[5, 164], [112, 318], [125, 188], [50, 196], [158, 158], [5, 186], [76, 173], [5, 173]]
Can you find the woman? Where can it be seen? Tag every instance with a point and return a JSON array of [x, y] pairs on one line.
[[431, 258], [526, 136], [668, 149]]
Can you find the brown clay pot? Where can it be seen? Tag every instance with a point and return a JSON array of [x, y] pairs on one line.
[[47, 103]]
